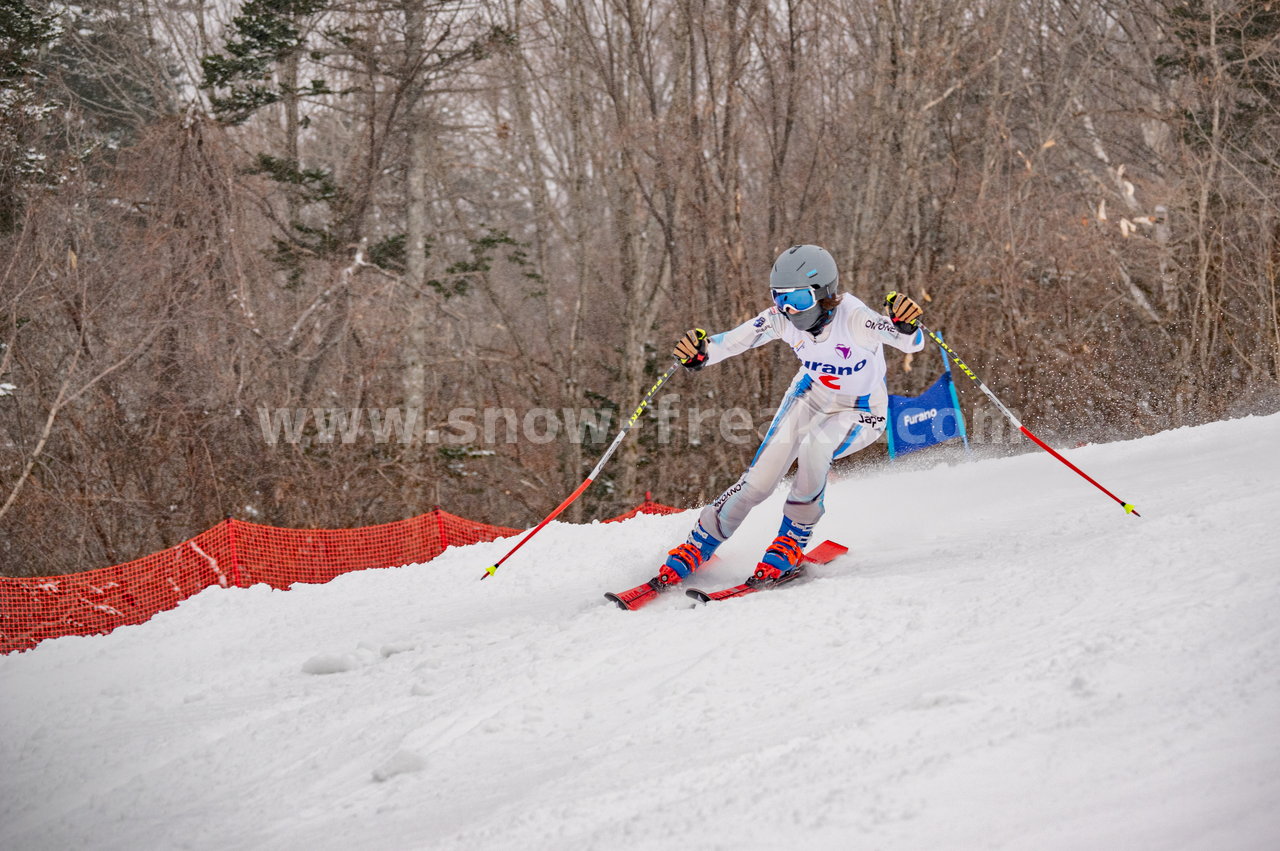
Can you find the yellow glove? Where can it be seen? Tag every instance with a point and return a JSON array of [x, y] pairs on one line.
[[904, 312], [691, 349]]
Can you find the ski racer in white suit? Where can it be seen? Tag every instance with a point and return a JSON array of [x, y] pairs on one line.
[[836, 403]]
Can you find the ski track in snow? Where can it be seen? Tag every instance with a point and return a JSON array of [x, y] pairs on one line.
[[1004, 660]]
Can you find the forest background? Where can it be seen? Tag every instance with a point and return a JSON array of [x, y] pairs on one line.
[[228, 228]]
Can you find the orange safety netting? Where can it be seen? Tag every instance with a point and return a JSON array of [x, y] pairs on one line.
[[646, 507], [233, 553]]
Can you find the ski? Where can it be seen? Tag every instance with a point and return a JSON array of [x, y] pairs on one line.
[[751, 586], [821, 554], [642, 595]]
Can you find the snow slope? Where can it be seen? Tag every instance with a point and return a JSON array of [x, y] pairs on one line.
[[1005, 660]]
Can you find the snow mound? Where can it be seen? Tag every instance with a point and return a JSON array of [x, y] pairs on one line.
[[1004, 660]]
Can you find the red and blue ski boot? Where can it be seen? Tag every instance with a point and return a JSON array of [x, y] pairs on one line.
[[681, 561], [782, 562]]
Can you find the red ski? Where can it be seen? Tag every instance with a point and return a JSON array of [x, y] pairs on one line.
[[642, 595], [821, 554]]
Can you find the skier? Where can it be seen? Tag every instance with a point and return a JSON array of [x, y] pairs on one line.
[[836, 403]]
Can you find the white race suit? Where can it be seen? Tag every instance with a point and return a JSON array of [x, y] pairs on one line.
[[836, 405]]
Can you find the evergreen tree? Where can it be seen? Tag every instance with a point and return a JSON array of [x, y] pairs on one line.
[[242, 79], [1230, 55], [24, 106], [113, 75]]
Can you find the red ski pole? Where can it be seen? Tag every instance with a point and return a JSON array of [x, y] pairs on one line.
[[1128, 508], [644, 403]]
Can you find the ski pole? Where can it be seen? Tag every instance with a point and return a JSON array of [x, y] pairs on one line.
[[1128, 508], [644, 403]]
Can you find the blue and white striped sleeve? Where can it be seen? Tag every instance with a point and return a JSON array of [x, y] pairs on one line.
[[871, 328], [756, 331]]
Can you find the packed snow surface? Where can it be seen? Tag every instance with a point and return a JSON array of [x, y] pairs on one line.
[[1004, 659]]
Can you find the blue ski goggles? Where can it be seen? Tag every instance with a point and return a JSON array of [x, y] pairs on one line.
[[795, 300]]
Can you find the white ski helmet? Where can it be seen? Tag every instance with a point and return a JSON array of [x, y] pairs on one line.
[[802, 276]]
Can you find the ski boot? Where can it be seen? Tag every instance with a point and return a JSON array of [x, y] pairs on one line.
[[681, 561], [689, 556], [782, 562]]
